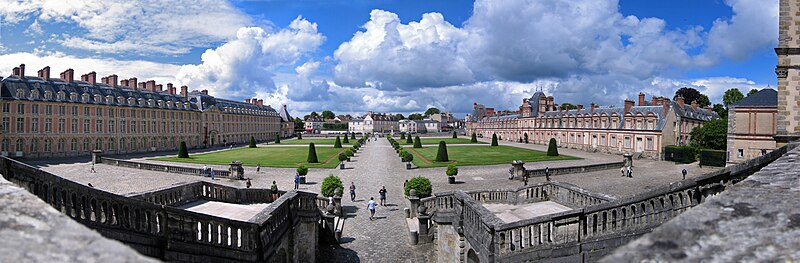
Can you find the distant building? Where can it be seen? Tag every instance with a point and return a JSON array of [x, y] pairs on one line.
[[313, 124], [752, 125], [287, 123], [53, 117], [643, 129], [419, 126], [374, 123]]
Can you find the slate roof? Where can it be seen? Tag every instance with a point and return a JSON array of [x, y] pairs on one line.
[[285, 117], [12, 87], [762, 98], [204, 102]]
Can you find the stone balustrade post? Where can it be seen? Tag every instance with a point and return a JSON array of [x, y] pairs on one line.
[[337, 202], [96, 156], [412, 197], [236, 170], [517, 169]]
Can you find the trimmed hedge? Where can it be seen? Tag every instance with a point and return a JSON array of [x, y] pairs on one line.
[[183, 152], [338, 143], [712, 157], [552, 149], [441, 154], [330, 184], [312, 154], [494, 140], [680, 154], [474, 138], [417, 142]]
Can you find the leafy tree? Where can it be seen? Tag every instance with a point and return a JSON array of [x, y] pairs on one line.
[[552, 150], [312, 154], [526, 138], [313, 114], [455, 136], [441, 154], [416, 117], [712, 135], [432, 111], [299, 125], [691, 94], [346, 139], [494, 140], [452, 170], [568, 106], [277, 138], [752, 91], [330, 184], [302, 170], [417, 142], [721, 110], [731, 96], [183, 152], [399, 116], [474, 138], [421, 184], [338, 143], [252, 142], [328, 115]]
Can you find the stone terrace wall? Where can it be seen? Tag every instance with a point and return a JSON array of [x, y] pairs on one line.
[[574, 169], [757, 220], [32, 231], [583, 234], [177, 195], [160, 167], [167, 232]]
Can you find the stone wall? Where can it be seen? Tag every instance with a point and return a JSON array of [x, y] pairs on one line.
[[160, 167], [32, 231], [788, 72]]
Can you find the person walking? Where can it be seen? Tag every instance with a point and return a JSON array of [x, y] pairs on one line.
[[382, 194], [274, 189], [258, 167], [205, 169], [684, 174], [371, 207], [352, 191], [249, 184], [211, 170], [296, 180], [630, 172], [525, 178], [93, 171], [622, 171]]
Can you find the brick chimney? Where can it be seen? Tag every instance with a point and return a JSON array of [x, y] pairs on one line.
[[205, 92], [150, 85], [591, 107], [665, 103], [124, 83], [22, 71], [694, 105], [680, 102], [68, 75], [159, 88], [185, 91], [142, 86], [132, 83], [628, 105], [171, 89], [15, 71], [247, 101], [550, 103], [641, 99], [654, 101], [260, 102], [45, 73], [91, 78], [112, 80], [709, 109]]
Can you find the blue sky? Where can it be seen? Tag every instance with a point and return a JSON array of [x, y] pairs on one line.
[[404, 56]]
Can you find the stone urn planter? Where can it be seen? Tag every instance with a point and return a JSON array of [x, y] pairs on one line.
[[302, 179], [341, 165], [408, 166], [451, 179]]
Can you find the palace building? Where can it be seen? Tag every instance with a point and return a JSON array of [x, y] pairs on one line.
[[53, 117], [642, 129]]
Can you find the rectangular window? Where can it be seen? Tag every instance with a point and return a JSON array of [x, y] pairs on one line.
[[111, 113], [111, 126], [6, 123], [74, 125], [34, 125], [122, 126], [21, 108], [740, 153], [35, 109], [85, 111], [48, 125], [99, 126], [62, 125], [48, 109], [99, 112], [21, 125], [763, 151], [627, 143], [74, 110], [649, 143], [6, 107], [86, 126], [122, 113]]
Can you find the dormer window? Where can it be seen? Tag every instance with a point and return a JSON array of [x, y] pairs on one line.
[[85, 97], [48, 95], [61, 95], [34, 94], [73, 96]]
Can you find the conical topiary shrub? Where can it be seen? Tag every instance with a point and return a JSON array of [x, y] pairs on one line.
[[252, 142], [402, 136], [417, 142], [455, 135], [409, 140], [277, 138], [525, 139], [312, 154], [346, 140], [353, 136], [552, 150], [441, 154], [474, 138], [338, 143], [299, 136], [183, 152], [494, 140]]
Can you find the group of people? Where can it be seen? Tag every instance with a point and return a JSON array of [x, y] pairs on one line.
[[371, 204], [208, 171], [626, 171]]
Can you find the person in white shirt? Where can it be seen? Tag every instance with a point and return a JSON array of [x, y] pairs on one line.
[[371, 207]]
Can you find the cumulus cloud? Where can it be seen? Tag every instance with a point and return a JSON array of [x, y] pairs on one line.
[[116, 26], [59, 62], [246, 65], [753, 26]]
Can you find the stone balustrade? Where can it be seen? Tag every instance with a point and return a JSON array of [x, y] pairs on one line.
[[160, 167]]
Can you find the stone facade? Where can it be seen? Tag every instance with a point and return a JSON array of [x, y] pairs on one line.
[[788, 72], [374, 123], [752, 126], [53, 117]]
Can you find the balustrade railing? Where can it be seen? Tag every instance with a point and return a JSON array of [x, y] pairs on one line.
[[162, 167]]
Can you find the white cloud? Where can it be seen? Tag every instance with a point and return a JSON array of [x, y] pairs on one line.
[[34, 29], [246, 65], [58, 62], [152, 26], [754, 25]]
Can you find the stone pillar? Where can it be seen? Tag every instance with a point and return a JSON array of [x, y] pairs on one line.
[[788, 72], [236, 170], [423, 221], [337, 202], [517, 169], [96, 156], [412, 197], [627, 160]]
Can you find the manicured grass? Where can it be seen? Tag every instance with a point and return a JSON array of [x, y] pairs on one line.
[[481, 155], [304, 141], [435, 141], [283, 157]]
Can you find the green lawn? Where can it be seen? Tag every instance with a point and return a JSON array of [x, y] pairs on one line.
[[317, 141], [435, 141], [481, 155], [284, 157]]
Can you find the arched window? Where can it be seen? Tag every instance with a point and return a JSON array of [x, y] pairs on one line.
[[122, 144], [20, 146], [133, 144], [61, 145], [47, 146], [34, 146], [4, 146], [112, 145], [98, 144], [85, 144]]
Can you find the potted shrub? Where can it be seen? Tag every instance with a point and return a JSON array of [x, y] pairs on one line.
[[302, 171], [349, 154], [342, 158], [329, 185], [452, 171], [408, 157], [420, 184]]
